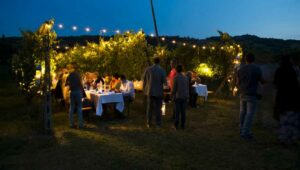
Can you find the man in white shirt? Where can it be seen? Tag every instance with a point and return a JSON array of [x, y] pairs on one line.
[[127, 89]]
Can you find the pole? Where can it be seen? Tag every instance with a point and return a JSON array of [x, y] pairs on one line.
[[154, 21], [47, 90]]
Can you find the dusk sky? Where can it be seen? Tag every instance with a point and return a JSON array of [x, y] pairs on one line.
[[194, 18]]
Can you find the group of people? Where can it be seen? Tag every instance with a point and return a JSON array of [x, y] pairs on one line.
[[286, 107], [154, 79], [249, 76], [74, 81]]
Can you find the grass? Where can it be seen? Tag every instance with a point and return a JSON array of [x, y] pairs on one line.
[[211, 140]]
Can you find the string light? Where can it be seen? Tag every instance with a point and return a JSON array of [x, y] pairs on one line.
[[87, 29], [74, 28], [60, 26]]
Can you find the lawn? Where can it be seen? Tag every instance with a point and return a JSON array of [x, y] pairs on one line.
[[210, 141]]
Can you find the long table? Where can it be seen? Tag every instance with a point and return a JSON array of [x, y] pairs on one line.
[[105, 98]]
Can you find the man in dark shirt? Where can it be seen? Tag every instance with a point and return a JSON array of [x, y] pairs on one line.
[[248, 79], [180, 94], [76, 88]]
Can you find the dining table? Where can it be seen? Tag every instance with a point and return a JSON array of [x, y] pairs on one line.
[[201, 90], [101, 97]]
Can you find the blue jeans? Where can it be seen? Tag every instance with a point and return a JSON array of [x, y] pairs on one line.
[[180, 107], [75, 98], [247, 110], [154, 105]]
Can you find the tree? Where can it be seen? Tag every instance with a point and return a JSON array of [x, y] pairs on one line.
[[124, 53], [29, 57], [24, 64]]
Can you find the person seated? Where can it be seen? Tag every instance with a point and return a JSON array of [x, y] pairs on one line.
[[88, 80], [99, 79], [115, 83], [98, 82], [127, 89]]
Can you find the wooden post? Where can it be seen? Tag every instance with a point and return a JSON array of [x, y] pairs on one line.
[[47, 90]]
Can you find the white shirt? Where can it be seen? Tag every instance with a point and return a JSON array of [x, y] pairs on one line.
[[127, 88]]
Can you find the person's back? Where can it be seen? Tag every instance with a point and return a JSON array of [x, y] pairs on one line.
[[74, 81], [180, 93], [181, 87], [76, 94], [249, 77], [154, 80], [288, 88], [286, 106]]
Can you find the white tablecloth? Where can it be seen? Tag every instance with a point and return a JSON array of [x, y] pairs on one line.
[[201, 90], [105, 98]]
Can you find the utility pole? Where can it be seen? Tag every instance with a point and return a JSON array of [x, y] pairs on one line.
[[154, 21]]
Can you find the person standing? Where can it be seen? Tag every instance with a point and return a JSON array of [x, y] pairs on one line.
[[76, 89], [153, 79], [249, 77], [180, 93], [172, 74], [287, 106], [192, 93]]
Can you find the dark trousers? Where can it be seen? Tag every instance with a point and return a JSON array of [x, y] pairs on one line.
[[154, 105], [180, 107], [193, 99]]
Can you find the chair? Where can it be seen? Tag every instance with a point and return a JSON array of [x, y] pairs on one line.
[[87, 111], [128, 100], [87, 108]]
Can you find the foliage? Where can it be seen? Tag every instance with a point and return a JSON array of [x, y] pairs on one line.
[[24, 63], [34, 46], [204, 70], [124, 53]]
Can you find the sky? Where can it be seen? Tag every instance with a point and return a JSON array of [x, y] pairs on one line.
[[186, 18]]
